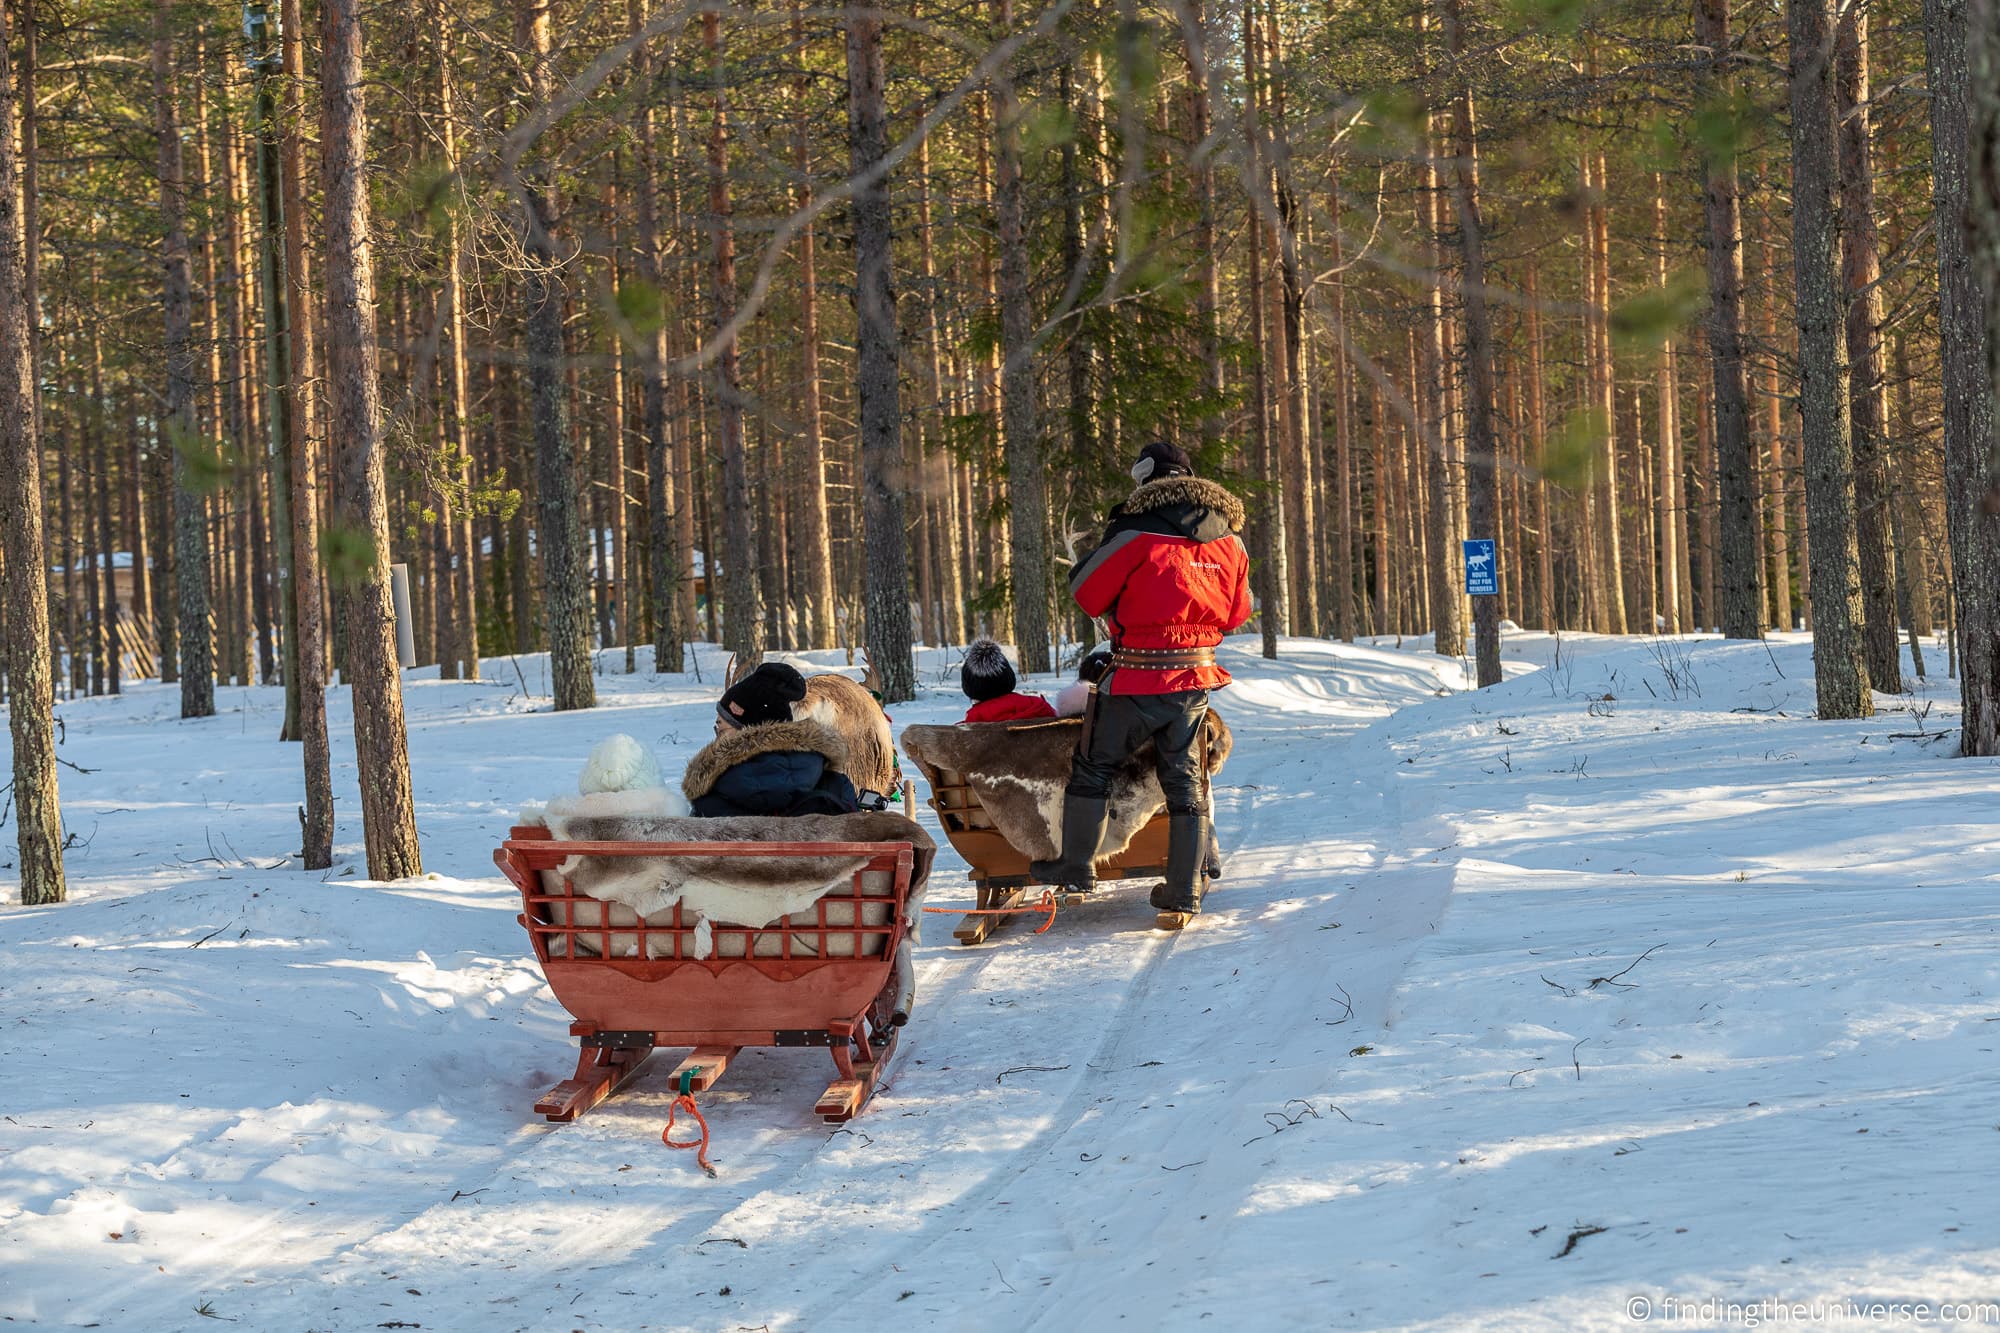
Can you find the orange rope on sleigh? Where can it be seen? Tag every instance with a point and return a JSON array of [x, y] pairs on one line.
[[685, 1102], [700, 1147], [1046, 903]]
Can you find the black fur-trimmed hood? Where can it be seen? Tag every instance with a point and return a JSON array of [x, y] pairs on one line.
[[1186, 502], [726, 752]]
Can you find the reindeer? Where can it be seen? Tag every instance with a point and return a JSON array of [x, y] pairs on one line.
[[848, 707]]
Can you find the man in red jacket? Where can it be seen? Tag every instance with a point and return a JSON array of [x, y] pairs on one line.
[[1171, 577]]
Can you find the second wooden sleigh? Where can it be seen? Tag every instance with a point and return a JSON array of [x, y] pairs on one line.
[[996, 788]]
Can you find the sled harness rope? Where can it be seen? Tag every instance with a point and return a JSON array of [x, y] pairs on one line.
[[685, 1101], [1046, 903]]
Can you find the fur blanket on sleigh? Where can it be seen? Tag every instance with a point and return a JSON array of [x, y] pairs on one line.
[[1018, 770], [751, 891]]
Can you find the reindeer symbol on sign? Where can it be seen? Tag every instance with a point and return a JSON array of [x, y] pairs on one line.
[[1481, 575]]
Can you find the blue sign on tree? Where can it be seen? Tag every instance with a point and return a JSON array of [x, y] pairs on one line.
[[1482, 567]]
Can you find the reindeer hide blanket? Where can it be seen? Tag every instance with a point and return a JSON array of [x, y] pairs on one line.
[[1018, 770], [752, 891]]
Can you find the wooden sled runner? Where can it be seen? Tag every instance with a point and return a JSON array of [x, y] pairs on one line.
[[826, 975], [1026, 764]]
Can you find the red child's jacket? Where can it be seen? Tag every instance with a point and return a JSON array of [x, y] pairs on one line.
[[1015, 707], [1170, 573]]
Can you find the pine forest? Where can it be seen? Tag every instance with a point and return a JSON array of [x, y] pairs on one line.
[[334, 337]]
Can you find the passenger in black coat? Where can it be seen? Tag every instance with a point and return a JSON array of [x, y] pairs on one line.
[[763, 762], [773, 768]]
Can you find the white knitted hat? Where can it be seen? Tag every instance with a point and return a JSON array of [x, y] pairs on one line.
[[619, 763]]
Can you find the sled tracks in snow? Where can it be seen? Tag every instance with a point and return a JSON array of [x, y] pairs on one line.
[[954, 1217], [765, 1158]]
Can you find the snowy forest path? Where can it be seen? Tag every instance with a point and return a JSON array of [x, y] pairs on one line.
[[1159, 1113], [363, 1153]]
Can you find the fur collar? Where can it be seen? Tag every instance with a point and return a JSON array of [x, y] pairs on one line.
[[725, 752], [1187, 490]]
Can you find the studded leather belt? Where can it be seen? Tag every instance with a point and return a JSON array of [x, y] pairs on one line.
[[1163, 659]]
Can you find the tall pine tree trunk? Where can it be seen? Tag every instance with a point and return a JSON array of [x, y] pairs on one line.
[[303, 469], [29, 161], [1738, 589], [1344, 530], [235, 406], [1667, 501], [742, 605], [1208, 289], [1868, 398], [994, 546], [279, 378], [1913, 560], [941, 488], [1603, 379], [1288, 222], [361, 512], [1965, 135], [1774, 513], [1443, 571], [194, 644], [1707, 476], [1078, 272], [1482, 441], [815, 535], [1267, 531], [109, 628], [1840, 667], [63, 550], [1020, 412], [1028, 562], [666, 557], [1983, 212], [566, 599], [1541, 515], [624, 581], [30, 683], [887, 582], [1271, 542], [454, 409]]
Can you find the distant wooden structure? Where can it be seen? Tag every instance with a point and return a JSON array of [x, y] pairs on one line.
[[131, 627]]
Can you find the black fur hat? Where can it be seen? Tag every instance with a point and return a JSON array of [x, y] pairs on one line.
[[987, 674], [1160, 459], [765, 695]]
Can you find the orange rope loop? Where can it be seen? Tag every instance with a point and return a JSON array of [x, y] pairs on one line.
[[1048, 902], [684, 1101]]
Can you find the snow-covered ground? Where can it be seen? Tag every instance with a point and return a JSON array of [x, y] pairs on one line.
[[1623, 981]]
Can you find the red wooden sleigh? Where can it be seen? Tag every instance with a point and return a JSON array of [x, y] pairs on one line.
[[823, 976]]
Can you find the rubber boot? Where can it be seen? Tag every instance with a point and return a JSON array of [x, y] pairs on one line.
[[1084, 818], [1179, 898]]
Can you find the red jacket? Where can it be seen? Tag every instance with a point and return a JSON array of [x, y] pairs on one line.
[[1170, 573], [1015, 707]]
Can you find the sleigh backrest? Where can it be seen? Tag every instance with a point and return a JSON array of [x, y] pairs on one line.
[[862, 917], [956, 803]]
